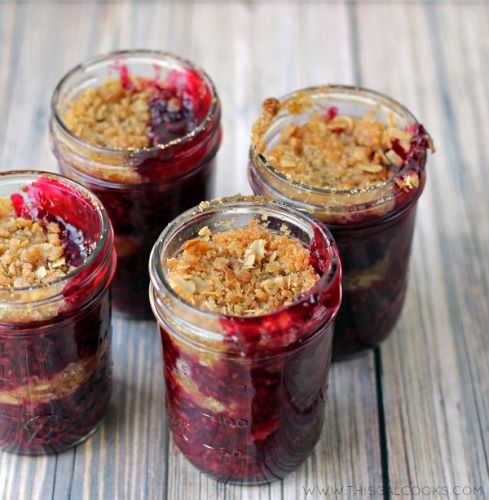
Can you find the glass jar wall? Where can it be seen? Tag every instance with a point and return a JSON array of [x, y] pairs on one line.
[[372, 225], [55, 337], [245, 395]]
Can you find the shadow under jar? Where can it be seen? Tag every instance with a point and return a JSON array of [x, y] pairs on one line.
[[245, 395], [146, 148], [55, 336], [372, 224]]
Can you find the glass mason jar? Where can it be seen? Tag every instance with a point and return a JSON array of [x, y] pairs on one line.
[[372, 226], [245, 395], [142, 189], [55, 361]]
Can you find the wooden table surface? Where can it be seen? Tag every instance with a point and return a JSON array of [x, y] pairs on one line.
[[412, 416]]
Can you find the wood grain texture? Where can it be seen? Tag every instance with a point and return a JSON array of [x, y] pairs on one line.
[[414, 413], [435, 382]]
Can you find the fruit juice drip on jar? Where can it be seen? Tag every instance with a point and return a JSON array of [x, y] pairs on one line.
[[338, 151], [134, 112], [43, 235]]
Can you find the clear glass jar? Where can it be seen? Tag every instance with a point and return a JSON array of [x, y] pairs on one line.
[[245, 395], [55, 360], [143, 189], [372, 226]]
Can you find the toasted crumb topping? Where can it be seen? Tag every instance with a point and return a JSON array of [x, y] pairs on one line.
[[338, 151], [241, 272], [112, 115], [31, 253], [332, 150]]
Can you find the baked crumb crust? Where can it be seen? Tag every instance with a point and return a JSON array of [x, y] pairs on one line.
[[245, 271], [31, 261], [31, 252], [112, 115], [335, 151]]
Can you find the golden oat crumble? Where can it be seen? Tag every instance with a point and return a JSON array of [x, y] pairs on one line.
[[112, 115], [241, 272], [31, 253], [332, 150]]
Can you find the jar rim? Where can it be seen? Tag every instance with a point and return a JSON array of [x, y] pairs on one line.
[[32, 175], [344, 90], [325, 281], [135, 53]]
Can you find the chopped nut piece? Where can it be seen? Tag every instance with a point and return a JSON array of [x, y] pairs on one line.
[[271, 105], [288, 162], [373, 169], [340, 122], [245, 271], [249, 259], [285, 229], [204, 232], [258, 246], [391, 120], [412, 181], [272, 285], [41, 272], [188, 287], [408, 182], [394, 158]]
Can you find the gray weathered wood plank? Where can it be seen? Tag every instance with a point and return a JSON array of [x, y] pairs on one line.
[[435, 382]]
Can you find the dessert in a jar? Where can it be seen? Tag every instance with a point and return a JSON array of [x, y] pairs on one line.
[[57, 260], [245, 292], [141, 130], [356, 160]]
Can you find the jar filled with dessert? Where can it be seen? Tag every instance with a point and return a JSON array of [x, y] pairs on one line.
[[245, 291], [57, 260], [356, 160], [141, 130]]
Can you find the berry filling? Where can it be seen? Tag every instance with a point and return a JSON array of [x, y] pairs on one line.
[[171, 117]]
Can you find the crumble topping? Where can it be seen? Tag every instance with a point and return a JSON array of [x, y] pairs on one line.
[[338, 151], [241, 272], [31, 253], [113, 115]]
